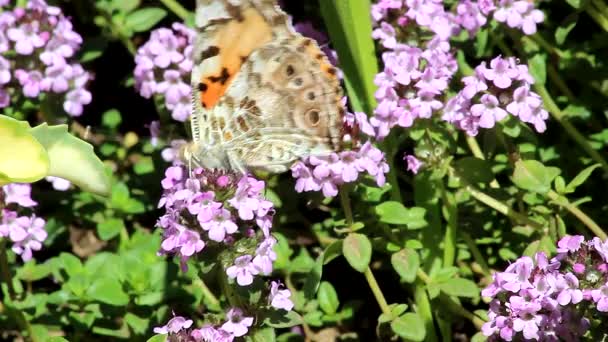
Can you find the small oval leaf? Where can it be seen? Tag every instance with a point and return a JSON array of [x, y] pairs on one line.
[[357, 250]]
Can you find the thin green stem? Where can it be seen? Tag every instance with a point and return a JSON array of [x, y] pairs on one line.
[[451, 304], [501, 207], [212, 300], [177, 9], [557, 114], [346, 206], [5, 270], [459, 310], [586, 220], [425, 310], [476, 150], [373, 285], [597, 17], [392, 172], [476, 253], [369, 276], [449, 241]]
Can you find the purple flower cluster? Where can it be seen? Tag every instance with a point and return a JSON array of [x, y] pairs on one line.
[[327, 173], [216, 207], [469, 15], [413, 78], [163, 66], [492, 93], [25, 232], [550, 300], [236, 325], [37, 44]]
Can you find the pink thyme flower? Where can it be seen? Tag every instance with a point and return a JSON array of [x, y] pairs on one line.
[[238, 324]]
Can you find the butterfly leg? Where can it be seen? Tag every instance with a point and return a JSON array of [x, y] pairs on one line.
[[236, 164]]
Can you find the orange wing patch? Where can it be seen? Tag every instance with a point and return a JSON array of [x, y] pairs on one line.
[[237, 39]]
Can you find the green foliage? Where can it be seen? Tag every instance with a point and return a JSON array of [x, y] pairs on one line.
[[431, 240], [29, 154]]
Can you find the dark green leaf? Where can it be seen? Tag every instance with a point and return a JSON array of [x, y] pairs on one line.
[[281, 319], [406, 263], [538, 68], [311, 285], [474, 170], [332, 251], [158, 338], [563, 30], [409, 326], [144, 19], [110, 228], [328, 298], [108, 291], [581, 178], [460, 287], [533, 176], [111, 119], [350, 29], [357, 250], [393, 212]]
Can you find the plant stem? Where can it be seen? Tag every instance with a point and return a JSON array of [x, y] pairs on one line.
[[476, 253], [476, 150], [501, 207], [211, 298], [598, 18], [453, 306], [449, 241], [369, 276], [392, 172], [570, 129], [177, 9], [5, 270], [424, 309], [373, 285], [586, 220]]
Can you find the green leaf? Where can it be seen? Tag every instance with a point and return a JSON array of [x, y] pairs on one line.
[[138, 324], [393, 212], [72, 159], [357, 250], [474, 170], [533, 176], [575, 3], [108, 291], [22, 158], [328, 298], [111, 119], [158, 338], [350, 29], [57, 339], [144, 19], [144, 165], [71, 264], [409, 326], [332, 251], [581, 178], [311, 285], [262, 335], [282, 319], [563, 30], [406, 263], [538, 68], [460, 287], [110, 228]]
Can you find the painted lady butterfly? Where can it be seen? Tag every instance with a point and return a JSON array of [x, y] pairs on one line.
[[264, 95]]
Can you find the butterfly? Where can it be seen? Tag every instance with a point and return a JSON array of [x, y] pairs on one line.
[[264, 96]]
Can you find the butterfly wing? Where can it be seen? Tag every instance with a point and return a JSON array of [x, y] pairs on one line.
[[264, 96]]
